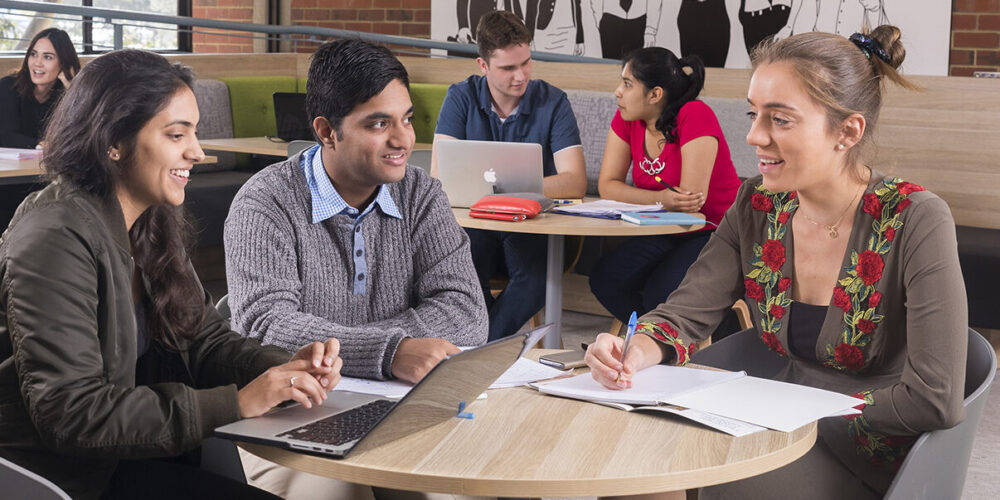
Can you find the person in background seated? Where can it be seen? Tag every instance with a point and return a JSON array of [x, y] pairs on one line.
[[505, 104], [662, 130], [28, 95], [870, 303], [346, 240], [113, 360]]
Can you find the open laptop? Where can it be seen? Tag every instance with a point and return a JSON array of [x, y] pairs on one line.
[[349, 421], [469, 170], [290, 117]]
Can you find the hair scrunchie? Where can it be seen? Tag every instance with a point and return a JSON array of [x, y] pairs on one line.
[[869, 46]]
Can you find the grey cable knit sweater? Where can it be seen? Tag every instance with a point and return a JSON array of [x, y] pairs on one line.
[[290, 280]]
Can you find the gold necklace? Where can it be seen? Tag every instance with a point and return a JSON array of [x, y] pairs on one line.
[[832, 228]]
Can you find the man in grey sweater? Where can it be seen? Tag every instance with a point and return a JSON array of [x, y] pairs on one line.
[[345, 240]]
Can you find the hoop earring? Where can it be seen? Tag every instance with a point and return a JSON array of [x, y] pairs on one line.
[[113, 154]]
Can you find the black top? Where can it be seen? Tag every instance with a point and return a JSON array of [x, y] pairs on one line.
[[804, 323], [22, 119]]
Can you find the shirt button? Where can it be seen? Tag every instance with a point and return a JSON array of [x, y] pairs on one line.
[[358, 253], [361, 277]]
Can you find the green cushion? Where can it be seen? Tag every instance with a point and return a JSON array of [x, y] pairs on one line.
[[252, 104], [427, 100], [300, 85]]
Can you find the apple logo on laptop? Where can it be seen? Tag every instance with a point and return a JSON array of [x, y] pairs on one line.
[[490, 176]]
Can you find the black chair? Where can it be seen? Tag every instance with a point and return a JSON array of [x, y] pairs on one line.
[[18, 482]]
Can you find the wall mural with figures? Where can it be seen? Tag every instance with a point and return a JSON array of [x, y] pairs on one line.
[[722, 32]]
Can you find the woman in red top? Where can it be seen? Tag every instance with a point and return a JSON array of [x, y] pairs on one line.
[[662, 130]]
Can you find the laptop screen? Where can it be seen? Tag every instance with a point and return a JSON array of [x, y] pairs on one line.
[[290, 117]]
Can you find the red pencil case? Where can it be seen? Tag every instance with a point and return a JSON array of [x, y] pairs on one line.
[[510, 208]]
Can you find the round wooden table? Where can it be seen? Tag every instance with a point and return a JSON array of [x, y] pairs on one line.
[[523, 443], [556, 227]]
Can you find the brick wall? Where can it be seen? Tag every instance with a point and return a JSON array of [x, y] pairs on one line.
[[975, 37], [222, 10], [389, 17]]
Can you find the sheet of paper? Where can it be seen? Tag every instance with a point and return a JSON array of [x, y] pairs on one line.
[[525, 371], [730, 426], [649, 387], [776, 405]]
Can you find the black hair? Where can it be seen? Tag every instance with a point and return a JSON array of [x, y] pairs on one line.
[[65, 52], [110, 101], [346, 73], [659, 67]]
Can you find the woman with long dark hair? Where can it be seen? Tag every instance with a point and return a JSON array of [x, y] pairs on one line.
[[113, 361], [28, 95], [662, 130]]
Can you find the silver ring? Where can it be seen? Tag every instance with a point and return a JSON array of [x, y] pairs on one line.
[[291, 381]]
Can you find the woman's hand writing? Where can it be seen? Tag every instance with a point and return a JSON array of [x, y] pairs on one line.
[[604, 355]]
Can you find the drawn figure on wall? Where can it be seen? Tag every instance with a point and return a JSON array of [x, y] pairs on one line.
[[555, 25], [767, 19], [626, 25], [468, 13], [703, 26], [847, 16]]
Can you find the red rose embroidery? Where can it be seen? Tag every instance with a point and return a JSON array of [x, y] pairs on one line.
[[773, 343], [861, 440], [681, 353], [873, 206], [849, 356], [777, 311], [874, 299], [783, 217], [761, 202], [862, 398], [906, 188], [669, 329], [869, 266], [793, 195], [866, 326], [773, 254], [902, 205], [754, 290], [841, 299], [784, 284], [890, 234]]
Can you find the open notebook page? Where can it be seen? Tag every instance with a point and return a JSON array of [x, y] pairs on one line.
[[649, 387]]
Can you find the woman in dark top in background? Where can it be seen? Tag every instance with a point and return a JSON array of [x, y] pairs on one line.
[[27, 95]]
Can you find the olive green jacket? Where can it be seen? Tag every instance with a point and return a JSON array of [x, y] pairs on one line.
[[69, 404]]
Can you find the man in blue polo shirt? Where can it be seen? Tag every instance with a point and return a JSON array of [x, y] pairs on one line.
[[504, 104]]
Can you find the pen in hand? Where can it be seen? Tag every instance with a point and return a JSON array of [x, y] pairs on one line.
[[658, 179], [628, 338]]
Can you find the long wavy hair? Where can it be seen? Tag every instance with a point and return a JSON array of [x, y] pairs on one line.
[[65, 52], [659, 67], [110, 101]]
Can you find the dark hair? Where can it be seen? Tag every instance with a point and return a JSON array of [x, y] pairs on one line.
[[500, 29], [64, 51], [346, 73], [658, 67], [112, 99], [840, 76]]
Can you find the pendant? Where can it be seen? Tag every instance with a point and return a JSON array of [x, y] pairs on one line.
[[833, 232]]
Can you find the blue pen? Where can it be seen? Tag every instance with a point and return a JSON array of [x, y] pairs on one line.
[[562, 202], [628, 339]]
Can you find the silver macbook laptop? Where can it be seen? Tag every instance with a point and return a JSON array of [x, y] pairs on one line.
[[469, 170], [350, 421]]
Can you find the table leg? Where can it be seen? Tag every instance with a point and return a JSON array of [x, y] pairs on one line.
[[553, 291]]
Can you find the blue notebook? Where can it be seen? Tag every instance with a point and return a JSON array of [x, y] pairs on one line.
[[661, 218]]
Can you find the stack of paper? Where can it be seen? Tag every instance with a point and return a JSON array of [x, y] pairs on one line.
[[19, 154], [605, 209], [729, 395]]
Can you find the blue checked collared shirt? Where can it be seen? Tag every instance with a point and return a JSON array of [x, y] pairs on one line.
[[327, 202]]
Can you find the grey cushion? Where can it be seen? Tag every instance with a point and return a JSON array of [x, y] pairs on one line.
[[732, 115], [593, 111], [216, 121]]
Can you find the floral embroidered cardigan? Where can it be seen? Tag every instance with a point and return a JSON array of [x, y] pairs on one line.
[[895, 333]]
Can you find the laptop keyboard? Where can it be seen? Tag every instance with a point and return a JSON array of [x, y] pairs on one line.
[[343, 427]]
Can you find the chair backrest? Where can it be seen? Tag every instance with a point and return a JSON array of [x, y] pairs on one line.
[[742, 350], [296, 147], [18, 482], [223, 307], [421, 158], [922, 474]]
